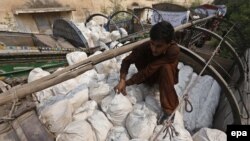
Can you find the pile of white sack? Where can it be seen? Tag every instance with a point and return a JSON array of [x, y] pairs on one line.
[[86, 108], [97, 35]]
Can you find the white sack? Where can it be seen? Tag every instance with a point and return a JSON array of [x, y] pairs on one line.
[[184, 76], [64, 87], [113, 78], [124, 32], [118, 133], [86, 110], [90, 24], [138, 119], [45, 94], [198, 95], [78, 96], [206, 134], [37, 73], [153, 103], [56, 114], [116, 107], [106, 37], [90, 77], [207, 111], [115, 44], [134, 94], [180, 65], [98, 91], [115, 35], [75, 57], [77, 131], [183, 134], [106, 66], [100, 125]]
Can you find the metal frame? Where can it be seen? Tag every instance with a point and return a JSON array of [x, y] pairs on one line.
[[232, 50], [228, 92]]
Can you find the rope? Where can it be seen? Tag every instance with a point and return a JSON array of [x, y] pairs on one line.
[[187, 102], [187, 89]]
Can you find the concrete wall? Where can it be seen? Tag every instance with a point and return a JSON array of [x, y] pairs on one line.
[[83, 7]]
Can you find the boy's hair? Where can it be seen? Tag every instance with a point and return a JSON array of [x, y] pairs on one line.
[[162, 31]]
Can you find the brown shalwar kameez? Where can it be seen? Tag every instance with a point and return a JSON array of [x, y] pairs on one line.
[[155, 69]]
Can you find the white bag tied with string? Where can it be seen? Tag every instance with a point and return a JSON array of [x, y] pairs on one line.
[[206, 134], [116, 107], [56, 113], [77, 131], [141, 122], [45, 94], [182, 133], [118, 133], [198, 96], [75, 57], [100, 125], [86, 110]]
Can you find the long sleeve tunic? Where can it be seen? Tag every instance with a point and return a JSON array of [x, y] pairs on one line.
[[155, 69]]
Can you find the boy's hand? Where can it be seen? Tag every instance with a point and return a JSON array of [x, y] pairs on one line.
[[121, 87]]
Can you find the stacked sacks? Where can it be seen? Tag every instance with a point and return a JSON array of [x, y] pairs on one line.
[[86, 33], [96, 34], [98, 85]]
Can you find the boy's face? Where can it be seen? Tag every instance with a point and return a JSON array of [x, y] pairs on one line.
[[158, 47]]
